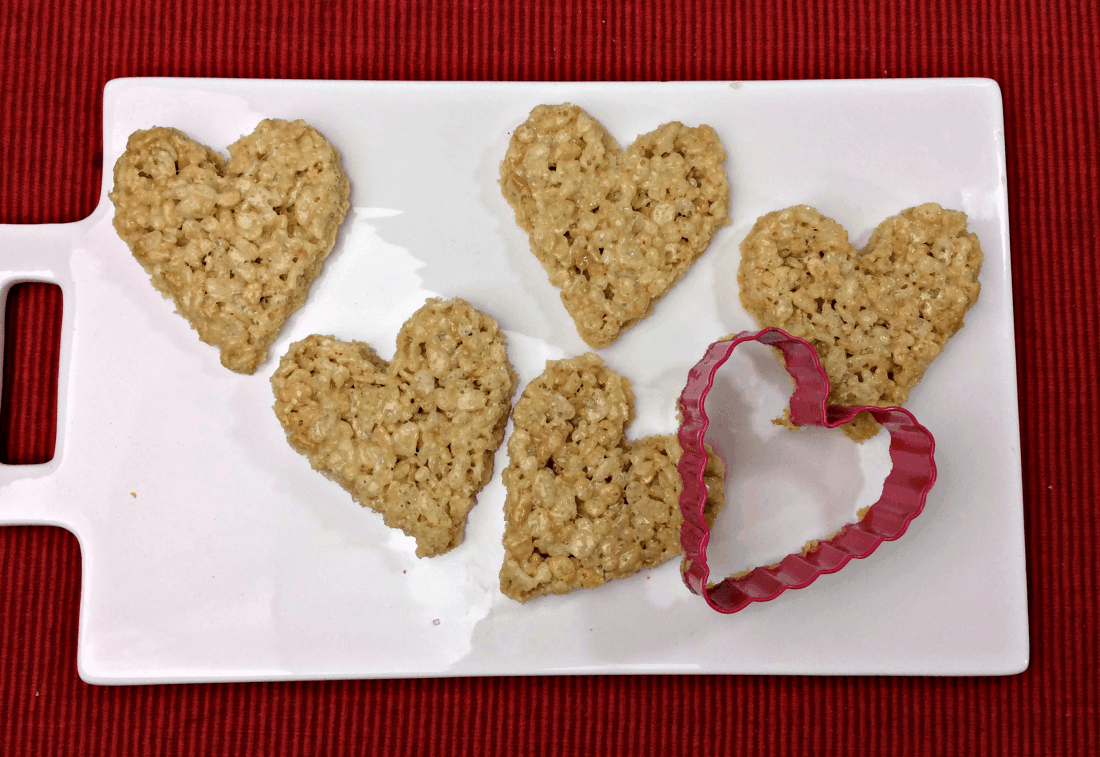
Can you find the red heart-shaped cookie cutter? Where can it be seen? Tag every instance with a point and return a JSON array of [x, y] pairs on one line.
[[912, 451]]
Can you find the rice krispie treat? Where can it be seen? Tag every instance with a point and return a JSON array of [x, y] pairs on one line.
[[235, 244], [877, 316], [584, 504], [614, 230], [413, 438]]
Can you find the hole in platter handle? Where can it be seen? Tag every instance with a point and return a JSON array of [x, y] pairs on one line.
[[912, 452], [28, 390]]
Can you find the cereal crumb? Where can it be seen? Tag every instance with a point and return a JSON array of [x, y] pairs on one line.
[[133, 494], [877, 316], [585, 505], [414, 438], [614, 230], [234, 243]]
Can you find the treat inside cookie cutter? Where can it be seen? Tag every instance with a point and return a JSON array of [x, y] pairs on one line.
[[912, 452]]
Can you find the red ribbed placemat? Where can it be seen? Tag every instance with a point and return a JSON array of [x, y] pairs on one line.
[[54, 60]]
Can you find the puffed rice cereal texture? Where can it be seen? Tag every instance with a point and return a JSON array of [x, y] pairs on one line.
[[584, 505], [614, 230], [412, 439], [234, 243], [877, 316]]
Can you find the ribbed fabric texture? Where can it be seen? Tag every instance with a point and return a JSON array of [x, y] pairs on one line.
[[55, 58]]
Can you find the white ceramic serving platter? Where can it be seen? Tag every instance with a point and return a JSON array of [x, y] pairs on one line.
[[211, 550]]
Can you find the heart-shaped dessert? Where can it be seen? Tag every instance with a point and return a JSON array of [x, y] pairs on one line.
[[584, 504], [614, 230], [912, 452], [413, 438], [877, 316], [235, 244]]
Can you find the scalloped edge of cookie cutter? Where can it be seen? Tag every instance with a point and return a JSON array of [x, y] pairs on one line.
[[912, 451]]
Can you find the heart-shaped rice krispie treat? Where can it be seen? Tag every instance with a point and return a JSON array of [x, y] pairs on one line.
[[413, 438], [614, 230], [585, 504], [235, 244], [877, 317]]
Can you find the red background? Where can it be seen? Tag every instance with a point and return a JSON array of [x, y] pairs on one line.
[[55, 58]]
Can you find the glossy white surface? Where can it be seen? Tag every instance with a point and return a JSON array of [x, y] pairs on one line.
[[211, 551]]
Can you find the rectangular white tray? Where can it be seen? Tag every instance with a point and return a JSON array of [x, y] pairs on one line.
[[211, 551]]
